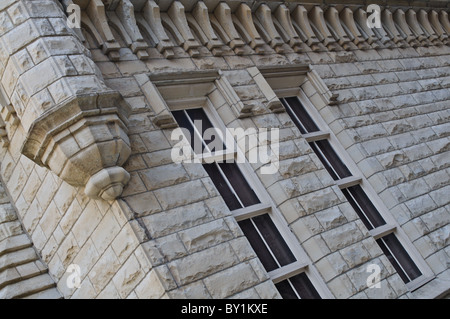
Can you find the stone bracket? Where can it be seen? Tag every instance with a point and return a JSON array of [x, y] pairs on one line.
[[163, 117], [152, 17], [316, 16], [223, 16], [400, 19], [349, 21], [388, 20], [284, 18], [81, 137], [434, 20], [264, 15], [332, 16], [97, 15], [422, 16], [300, 17], [125, 11], [201, 15], [244, 15], [361, 17], [178, 17]]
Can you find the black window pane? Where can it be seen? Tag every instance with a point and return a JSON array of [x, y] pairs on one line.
[[304, 287], [399, 258], [293, 117], [337, 166], [222, 186], [195, 140], [258, 245], [273, 238], [362, 205], [199, 116], [301, 114], [239, 183], [285, 289], [324, 161]]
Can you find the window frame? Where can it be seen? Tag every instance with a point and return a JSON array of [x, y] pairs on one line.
[[357, 178], [267, 205]]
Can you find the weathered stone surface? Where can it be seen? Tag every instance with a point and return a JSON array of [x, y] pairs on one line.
[[184, 217], [227, 283], [203, 264], [389, 115]]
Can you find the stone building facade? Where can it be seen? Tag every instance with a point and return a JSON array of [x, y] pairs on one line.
[[93, 204]]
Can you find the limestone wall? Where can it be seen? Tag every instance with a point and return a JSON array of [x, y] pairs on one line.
[[170, 234]]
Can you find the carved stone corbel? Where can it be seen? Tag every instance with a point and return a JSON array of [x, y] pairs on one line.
[[239, 109], [273, 102], [434, 20], [125, 11], [178, 17], [152, 16], [443, 18], [264, 15], [388, 21], [283, 16], [349, 21], [300, 16], [422, 17], [84, 141], [223, 16], [332, 16], [361, 18], [163, 118], [97, 15], [316, 16], [244, 14], [411, 19], [201, 15], [411, 38]]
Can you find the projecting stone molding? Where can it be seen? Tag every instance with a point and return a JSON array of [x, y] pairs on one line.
[[264, 27], [73, 123]]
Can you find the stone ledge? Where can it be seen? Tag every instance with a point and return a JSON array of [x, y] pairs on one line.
[[435, 289]]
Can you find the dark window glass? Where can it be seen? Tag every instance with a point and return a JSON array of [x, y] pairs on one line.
[[302, 285], [267, 242], [285, 289], [194, 139], [258, 245], [363, 207], [274, 239], [222, 186], [239, 183], [399, 258], [299, 115], [199, 116], [261, 232], [234, 177], [330, 159]]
